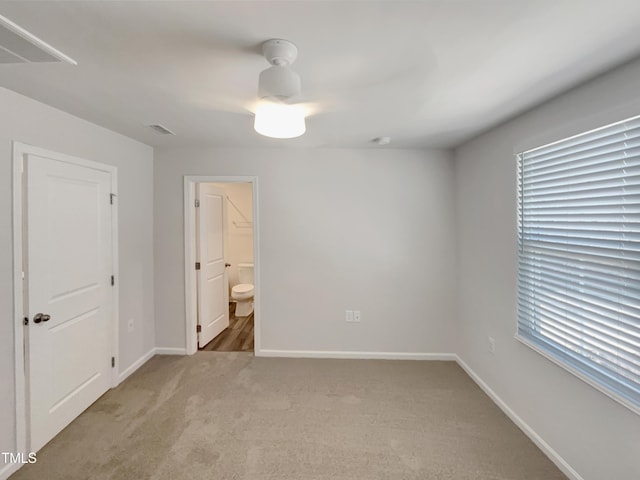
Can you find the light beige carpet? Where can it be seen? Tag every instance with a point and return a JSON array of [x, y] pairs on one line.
[[232, 416]]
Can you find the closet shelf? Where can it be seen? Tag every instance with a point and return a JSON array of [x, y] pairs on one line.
[[246, 223], [242, 224]]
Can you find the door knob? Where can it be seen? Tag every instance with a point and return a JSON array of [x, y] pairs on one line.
[[41, 317]]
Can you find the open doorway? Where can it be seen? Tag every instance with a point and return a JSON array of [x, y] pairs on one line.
[[237, 237], [222, 265]]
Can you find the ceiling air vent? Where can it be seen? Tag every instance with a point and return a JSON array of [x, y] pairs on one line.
[[19, 46], [161, 129]]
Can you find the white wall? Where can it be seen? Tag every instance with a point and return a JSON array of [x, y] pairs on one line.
[[339, 229], [239, 242], [598, 437], [33, 123]]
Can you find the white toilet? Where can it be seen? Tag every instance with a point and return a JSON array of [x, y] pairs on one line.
[[242, 293]]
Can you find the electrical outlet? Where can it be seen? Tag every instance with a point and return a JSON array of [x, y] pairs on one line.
[[348, 316], [130, 324], [356, 315], [492, 345]]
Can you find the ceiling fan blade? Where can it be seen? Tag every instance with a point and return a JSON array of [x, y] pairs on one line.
[[375, 96]]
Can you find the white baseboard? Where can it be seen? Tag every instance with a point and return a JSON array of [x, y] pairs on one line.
[[147, 356], [136, 365], [8, 470], [355, 355], [170, 351], [522, 425]]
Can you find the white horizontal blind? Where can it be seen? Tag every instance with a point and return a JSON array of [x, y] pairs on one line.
[[579, 256]]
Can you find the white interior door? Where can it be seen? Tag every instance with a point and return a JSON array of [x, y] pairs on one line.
[[69, 306], [213, 283]]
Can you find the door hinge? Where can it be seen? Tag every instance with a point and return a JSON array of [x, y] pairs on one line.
[[113, 362], [197, 265], [26, 320], [113, 280], [197, 203], [198, 328], [111, 197]]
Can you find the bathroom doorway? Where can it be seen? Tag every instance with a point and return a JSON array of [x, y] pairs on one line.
[[221, 264]]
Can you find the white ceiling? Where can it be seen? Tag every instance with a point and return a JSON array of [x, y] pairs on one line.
[[427, 73]]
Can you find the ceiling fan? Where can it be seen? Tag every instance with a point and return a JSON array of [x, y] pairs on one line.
[[281, 109], [277, 115]]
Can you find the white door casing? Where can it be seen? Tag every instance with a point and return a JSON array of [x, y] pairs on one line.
[[68, 268], [212, 278]]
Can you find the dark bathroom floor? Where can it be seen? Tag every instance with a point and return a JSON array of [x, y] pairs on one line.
[[237, 337]]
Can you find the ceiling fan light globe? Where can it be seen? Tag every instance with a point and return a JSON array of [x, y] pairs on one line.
[[280, 120]]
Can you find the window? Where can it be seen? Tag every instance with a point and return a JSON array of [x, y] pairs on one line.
[[579, 256]]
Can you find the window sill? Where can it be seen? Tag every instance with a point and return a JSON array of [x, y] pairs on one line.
[[622, 401]]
